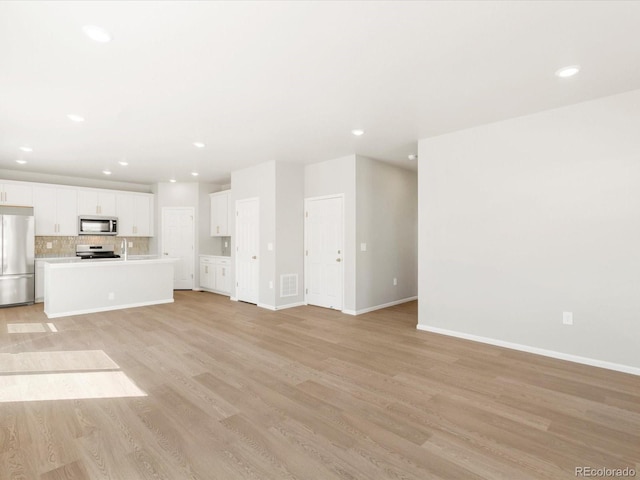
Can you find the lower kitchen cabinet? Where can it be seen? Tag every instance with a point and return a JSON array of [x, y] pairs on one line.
[[214, 274], [39, 281]]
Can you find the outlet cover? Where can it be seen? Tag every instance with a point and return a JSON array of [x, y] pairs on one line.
[[49, 244], [363, 247], [567, 318], [395, 281]]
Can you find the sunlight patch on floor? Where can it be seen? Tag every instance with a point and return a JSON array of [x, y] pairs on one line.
[[26, 328], [66, 386], [77, 360]]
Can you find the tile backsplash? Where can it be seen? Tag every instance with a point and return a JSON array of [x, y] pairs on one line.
[[66, 246]]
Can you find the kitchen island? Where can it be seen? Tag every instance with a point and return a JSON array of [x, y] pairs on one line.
[[74, 287]]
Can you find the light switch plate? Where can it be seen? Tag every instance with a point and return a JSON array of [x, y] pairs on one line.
[[363, 247]]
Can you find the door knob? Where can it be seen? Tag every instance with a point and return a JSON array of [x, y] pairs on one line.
[[166, 253], [254, 257]]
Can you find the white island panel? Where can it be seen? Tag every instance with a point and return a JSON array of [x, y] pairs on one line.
[[78, 287]]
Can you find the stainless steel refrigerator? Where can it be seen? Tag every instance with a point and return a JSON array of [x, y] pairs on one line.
[[17, 243]]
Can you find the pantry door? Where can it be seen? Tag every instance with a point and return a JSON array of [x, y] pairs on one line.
[[178, 241], [248, 250], [324, 251]]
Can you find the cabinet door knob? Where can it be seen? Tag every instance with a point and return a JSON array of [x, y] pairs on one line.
[[338, 259], [254, 257]]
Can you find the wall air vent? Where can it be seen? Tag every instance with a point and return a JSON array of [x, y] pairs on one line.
[[289, 285]]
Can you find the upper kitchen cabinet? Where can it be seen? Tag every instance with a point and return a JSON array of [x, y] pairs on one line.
[[220, 213], [17, 194], [55, 211], [135, 214], [96, 202]]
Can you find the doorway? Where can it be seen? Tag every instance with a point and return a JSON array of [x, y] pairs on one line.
[[178, 241], [324, 251], [247, 250]]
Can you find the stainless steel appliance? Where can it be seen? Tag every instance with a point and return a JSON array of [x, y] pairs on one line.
[[17, 264], [93, 252], [92, 225]]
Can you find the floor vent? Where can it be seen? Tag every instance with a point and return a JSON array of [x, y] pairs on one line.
[[289, 285]]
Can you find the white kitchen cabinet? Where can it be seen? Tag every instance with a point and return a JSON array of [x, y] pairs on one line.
[[39, 280], [18, 194], [135, 215], [95, 202], [207, 279], [220, 213], [223, 280], [214, 274], [55, 211]]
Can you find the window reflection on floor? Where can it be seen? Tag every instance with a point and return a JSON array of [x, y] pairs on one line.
[[83, 374], [43, 362], [26, 328], [66, 386]]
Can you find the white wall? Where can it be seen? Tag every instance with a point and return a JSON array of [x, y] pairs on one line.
[[523, 219], [258, 181], [183, 194], [289, 228], [338, 176], [387, 222]]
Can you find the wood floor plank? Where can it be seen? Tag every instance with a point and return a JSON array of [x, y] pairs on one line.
[[238, 392]]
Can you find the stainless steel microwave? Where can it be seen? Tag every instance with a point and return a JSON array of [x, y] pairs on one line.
[[92, 225]]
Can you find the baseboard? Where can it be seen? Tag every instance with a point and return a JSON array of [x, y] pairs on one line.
[[210, 290], [290, 305], [538, 351], [108, 308], [268, 307], [379, 307]]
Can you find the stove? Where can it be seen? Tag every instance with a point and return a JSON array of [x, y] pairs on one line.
[[93, 252]]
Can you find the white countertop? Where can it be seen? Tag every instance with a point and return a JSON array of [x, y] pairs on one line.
[[74, 262]]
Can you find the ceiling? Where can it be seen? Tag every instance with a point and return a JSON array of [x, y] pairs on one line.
[[287, 81]]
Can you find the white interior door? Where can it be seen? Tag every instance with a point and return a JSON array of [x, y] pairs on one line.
[[178, 241], [324, 251], [247, 250]]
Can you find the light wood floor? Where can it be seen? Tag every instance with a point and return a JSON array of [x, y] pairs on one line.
[[235, 392]]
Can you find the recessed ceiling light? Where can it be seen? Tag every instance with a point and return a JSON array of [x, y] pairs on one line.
[[566, 72], [195, 174], [21, 162], [413, 156], [75, 118], [123, 163], [198, 144], [26, 149], [97, 34], [357, 132], [173, 180], [106, 172]]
